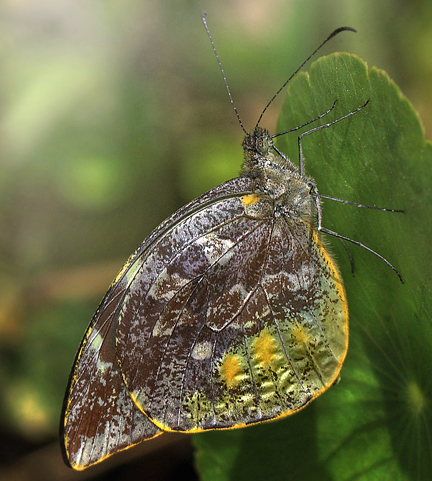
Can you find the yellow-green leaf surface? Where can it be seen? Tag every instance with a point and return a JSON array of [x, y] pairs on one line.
[[376, 423]]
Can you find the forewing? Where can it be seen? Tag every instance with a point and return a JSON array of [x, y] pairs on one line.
[[99, 416]]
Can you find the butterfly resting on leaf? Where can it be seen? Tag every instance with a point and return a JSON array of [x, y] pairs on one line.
[[230, 313]]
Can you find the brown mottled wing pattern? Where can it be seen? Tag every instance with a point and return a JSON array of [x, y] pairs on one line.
[[99, 416], [241, 320]]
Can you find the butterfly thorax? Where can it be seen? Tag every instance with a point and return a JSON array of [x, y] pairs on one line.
[[278, 178]]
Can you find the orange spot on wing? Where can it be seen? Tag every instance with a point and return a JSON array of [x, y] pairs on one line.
[[230, 370], [250, 199], [299, 335], [265, 348]]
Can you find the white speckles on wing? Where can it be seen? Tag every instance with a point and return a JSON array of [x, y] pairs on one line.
[[214, 247], [103, 367], [202, 350], [290, 279], [237, 292], [308, 273], [257, 314], [166, 285], [162, 329], [238, 289]]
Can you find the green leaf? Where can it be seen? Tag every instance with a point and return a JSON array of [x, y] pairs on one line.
[[376, 424]]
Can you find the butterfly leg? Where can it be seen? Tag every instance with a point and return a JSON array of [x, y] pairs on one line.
[[324, 126]]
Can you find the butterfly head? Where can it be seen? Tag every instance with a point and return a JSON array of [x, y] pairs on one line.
[[262, 160], [257, 145], [260, 154]]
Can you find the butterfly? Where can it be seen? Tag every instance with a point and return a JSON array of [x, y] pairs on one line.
[[230, 313]]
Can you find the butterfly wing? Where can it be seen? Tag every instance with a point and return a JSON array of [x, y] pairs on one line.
[[99, 416], [244, 320]]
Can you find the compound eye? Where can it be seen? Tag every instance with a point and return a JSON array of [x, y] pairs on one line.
[[262, 146]]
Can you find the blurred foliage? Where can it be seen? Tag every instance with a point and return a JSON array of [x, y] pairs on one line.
[[114, 114]]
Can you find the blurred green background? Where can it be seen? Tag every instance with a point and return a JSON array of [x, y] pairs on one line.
[[112, 115]]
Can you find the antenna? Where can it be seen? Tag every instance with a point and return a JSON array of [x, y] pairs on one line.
[[333, 34], [204, 20]]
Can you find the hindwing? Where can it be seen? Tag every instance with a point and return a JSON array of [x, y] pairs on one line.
[[245, 321]]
